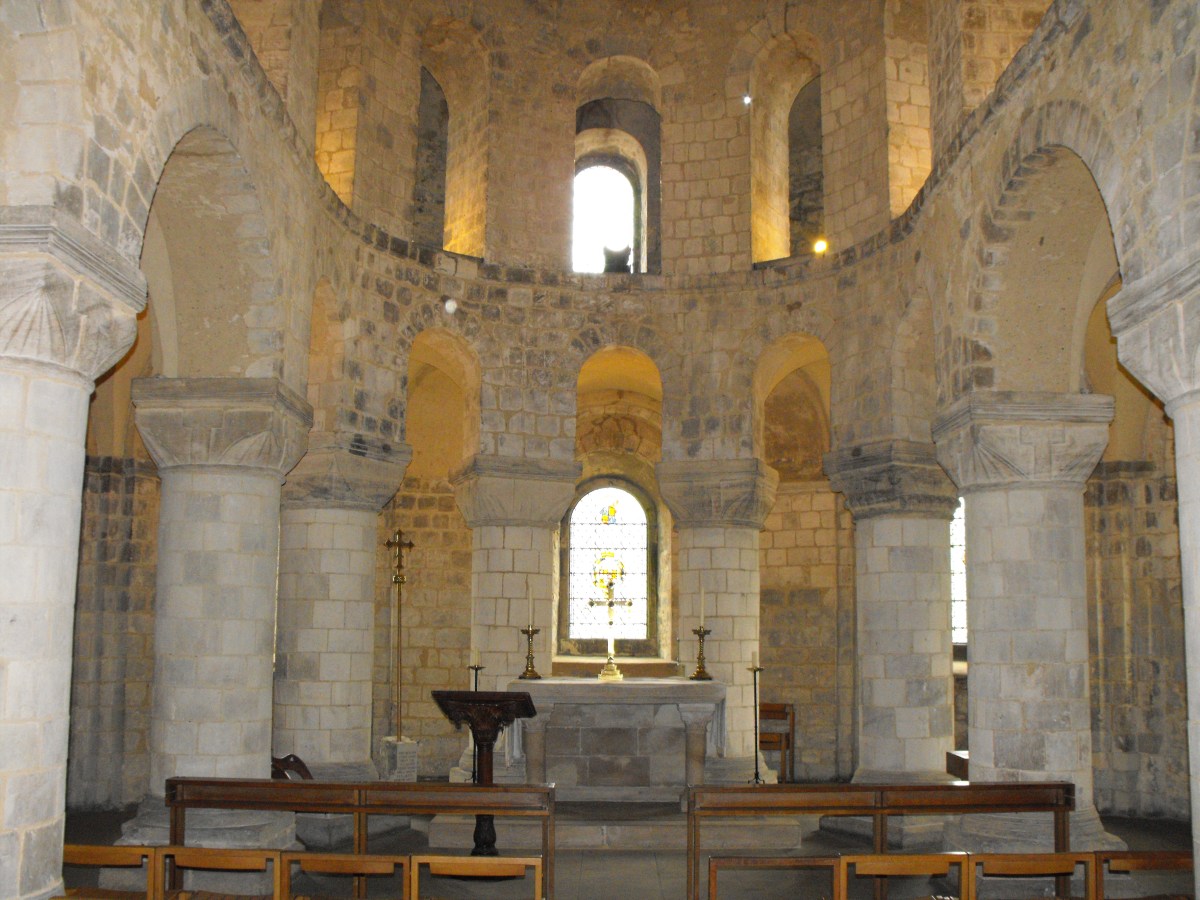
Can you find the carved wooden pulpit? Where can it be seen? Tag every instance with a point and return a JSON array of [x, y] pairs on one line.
[[485, 713]]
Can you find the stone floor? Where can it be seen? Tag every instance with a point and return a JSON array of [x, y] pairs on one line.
[[655, 874]]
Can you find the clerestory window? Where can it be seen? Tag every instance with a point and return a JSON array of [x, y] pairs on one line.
[[603, 235], [608, 539]]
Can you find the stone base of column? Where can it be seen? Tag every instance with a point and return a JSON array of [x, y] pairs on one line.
[[905, 832], [207, 828], [335, 831], [1026, 833]]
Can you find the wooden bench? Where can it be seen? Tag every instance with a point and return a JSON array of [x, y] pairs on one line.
[[356, 865], [364, 799], [716, 863], [904, 865], [475, 867], [877, 801], [103, 856]]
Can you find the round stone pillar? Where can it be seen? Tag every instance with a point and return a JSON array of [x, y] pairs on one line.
[[514, 507], [719, 508], [1021, 461], [1157, 325], [326, 620], [68, 308], [222, 446], [902, 502]]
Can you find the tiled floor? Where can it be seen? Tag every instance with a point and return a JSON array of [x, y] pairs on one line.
[[661, 875]]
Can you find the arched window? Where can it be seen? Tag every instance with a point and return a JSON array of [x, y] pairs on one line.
[[609, 533], [603, 219]]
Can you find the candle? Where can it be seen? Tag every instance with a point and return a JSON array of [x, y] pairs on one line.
[[701, 606], [754, 660], [475, 656], [529, 595]]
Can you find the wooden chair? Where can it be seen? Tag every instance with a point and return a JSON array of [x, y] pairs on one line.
[[1125, 862], [174, 861], [131, 857], [475, 867], [358, 865], [1060, 866], [903, 865], [781, 740], [716, 863]]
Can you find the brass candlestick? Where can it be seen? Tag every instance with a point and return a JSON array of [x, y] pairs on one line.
[[754, 671], [530, 672], [701, 674]]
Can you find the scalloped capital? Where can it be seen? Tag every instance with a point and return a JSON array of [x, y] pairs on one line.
[[256, 423], [706, 493], [991, 439]]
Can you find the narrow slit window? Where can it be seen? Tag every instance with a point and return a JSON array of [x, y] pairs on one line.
[[958, 575]]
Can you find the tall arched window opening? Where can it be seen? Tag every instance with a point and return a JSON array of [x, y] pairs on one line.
[[429, 193], [604, 232], [609, 534], [806, 169]]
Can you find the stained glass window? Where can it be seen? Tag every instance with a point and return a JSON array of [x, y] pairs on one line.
[[608, 545]]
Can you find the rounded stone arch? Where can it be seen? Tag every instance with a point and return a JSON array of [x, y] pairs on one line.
[[1046, 252], [791, 388], [443, 373], [227, 314], [621, 78]]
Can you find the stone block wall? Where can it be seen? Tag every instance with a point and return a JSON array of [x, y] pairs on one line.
[[436, 619], [1139, 697], [339, 73], [109, 761], [906, 72], [807, 624]]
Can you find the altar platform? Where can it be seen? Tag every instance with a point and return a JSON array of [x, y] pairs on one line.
[[637, 740]]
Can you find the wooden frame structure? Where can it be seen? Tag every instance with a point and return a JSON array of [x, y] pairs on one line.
[[875, 801], [364, 799]]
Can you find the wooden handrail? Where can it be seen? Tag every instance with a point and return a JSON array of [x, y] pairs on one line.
[[363, 799], [878, 801]]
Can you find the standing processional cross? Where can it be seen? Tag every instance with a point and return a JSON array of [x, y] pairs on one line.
[[607, 571]]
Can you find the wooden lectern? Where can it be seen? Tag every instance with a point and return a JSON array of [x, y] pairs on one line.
[[485, 713]]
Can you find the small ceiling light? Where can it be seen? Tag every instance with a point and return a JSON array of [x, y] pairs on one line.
[[820, 245], [746, 99], [450, 305]]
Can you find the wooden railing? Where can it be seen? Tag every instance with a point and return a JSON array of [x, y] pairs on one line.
[[877, 801], [364, 799]]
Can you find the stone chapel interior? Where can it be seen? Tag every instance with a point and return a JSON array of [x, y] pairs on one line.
[[280, 279]]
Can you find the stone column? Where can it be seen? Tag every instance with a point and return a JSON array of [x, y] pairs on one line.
[[1157, 325], [1021, 461], [514, 507], [902, 504], [719, 508], [68, 307], [697, 717], [222, 446], [326, 618]]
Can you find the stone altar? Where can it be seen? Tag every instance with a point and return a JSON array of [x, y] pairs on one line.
[[641, 739]]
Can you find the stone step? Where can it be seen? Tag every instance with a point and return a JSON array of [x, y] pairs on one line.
[[635, 832]]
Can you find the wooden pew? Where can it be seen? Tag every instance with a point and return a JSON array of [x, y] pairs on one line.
[[904, 865], [364, 799], [1061, 866], [475, 867], [1129, 861], [104, 856], [358, 865], [716, 863], [877, 801], [175, 860]]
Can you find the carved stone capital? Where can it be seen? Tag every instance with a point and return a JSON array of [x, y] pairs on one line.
[[696, 715], [718, 492], [498, 490], [256, 423], [887, 478], [66, 298], [346, 472], [1003, 438], [1157, 325]]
